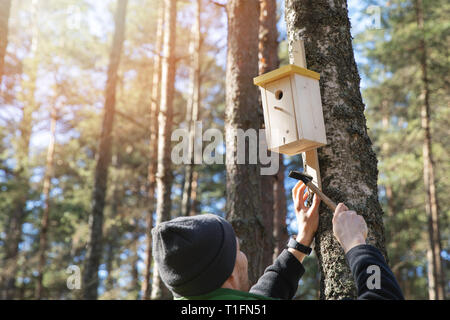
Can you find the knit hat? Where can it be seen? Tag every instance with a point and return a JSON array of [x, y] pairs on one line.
[[195, 255]]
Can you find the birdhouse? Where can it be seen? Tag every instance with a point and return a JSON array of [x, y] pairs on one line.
[[292, 106]]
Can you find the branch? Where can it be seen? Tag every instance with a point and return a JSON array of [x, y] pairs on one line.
[[218, 4], [127, 117]]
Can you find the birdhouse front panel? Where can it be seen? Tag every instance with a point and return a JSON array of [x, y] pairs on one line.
[[292, 109], [281, 114]]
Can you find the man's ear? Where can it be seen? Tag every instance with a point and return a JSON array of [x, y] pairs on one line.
[[232, 281]]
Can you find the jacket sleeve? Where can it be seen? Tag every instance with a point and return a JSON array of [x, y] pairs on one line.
[[367, 263], [280, 280]]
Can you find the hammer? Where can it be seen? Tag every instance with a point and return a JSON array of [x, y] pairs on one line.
[[307, 180]]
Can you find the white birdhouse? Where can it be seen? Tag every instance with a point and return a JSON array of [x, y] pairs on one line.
[[293, 114]]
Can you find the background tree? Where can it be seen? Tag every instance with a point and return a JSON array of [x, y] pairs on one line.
[[164, 174], [400, 53], [193, 106], [243, 181], [94, 247], [268, 61], [5, 8], [20, 187], [46, 189], [153, 148]]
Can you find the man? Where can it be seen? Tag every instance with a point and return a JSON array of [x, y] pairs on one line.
[[199, 257]]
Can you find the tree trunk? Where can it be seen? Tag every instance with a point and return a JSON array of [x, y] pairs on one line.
[[46, 209], [193, 107], [268, 61], [5, 9], [195, 207], [13, 229], [164, 176], [134, 284], [280, 233], [348, 164], [94, 247], [436, 283], [243, 180], [153, 151]]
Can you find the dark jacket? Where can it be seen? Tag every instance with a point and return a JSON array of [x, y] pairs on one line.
[[280, 280]]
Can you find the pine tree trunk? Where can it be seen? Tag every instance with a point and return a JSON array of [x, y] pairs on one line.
[[5, 9], [94, 247], [436, 283], [13, 229], [193, 107], [46, 210], [153, 151], [348, 164], [164, 174], [243, 180], [280, 233], [268, 61], [195, 207]]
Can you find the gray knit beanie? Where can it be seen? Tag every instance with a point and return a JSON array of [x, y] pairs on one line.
[[195, 255]]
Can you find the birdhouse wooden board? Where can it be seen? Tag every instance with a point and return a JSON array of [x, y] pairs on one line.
[[292, 106]]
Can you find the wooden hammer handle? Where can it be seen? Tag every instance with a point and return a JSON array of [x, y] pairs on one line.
[[322, 196]]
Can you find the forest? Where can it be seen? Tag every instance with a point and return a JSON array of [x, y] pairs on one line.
[[97, 96]]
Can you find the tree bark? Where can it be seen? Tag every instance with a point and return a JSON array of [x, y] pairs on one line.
[[348, 164], [280, 233], [94, 247], [243, 180], [436, 282], [164, 176], [5, 9], [153, 151], [268, 61], [193, 107], [195, 207], [46, 210]]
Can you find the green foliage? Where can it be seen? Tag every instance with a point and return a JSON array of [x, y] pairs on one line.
[[394, 95]]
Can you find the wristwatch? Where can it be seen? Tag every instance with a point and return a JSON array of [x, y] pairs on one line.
[[298, 246]]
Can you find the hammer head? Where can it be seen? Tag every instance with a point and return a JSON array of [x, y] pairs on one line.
[[301, 176]]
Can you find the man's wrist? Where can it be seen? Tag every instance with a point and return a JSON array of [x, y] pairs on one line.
[[305, 238], [355, 242], [299, 255]]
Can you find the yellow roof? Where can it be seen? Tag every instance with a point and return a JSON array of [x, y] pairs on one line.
[[282, 72]]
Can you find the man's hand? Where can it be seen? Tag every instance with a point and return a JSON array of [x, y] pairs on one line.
[[307, 218], [349, 228]]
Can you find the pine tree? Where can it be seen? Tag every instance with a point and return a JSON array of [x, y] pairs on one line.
[[348, 164], [243, 206], [164, 174], [94, 247], [153, 149], [5, 8]]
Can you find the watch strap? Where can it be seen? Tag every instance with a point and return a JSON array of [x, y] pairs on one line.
[[298, 246]]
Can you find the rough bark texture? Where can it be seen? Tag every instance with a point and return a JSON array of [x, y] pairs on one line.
[[348, 164], [243, 180], [436, 282], [164, 176], [193, 107], [94, 246], [268, 61], [280, 233], [5, 9], [46, 210], [153, 151]]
